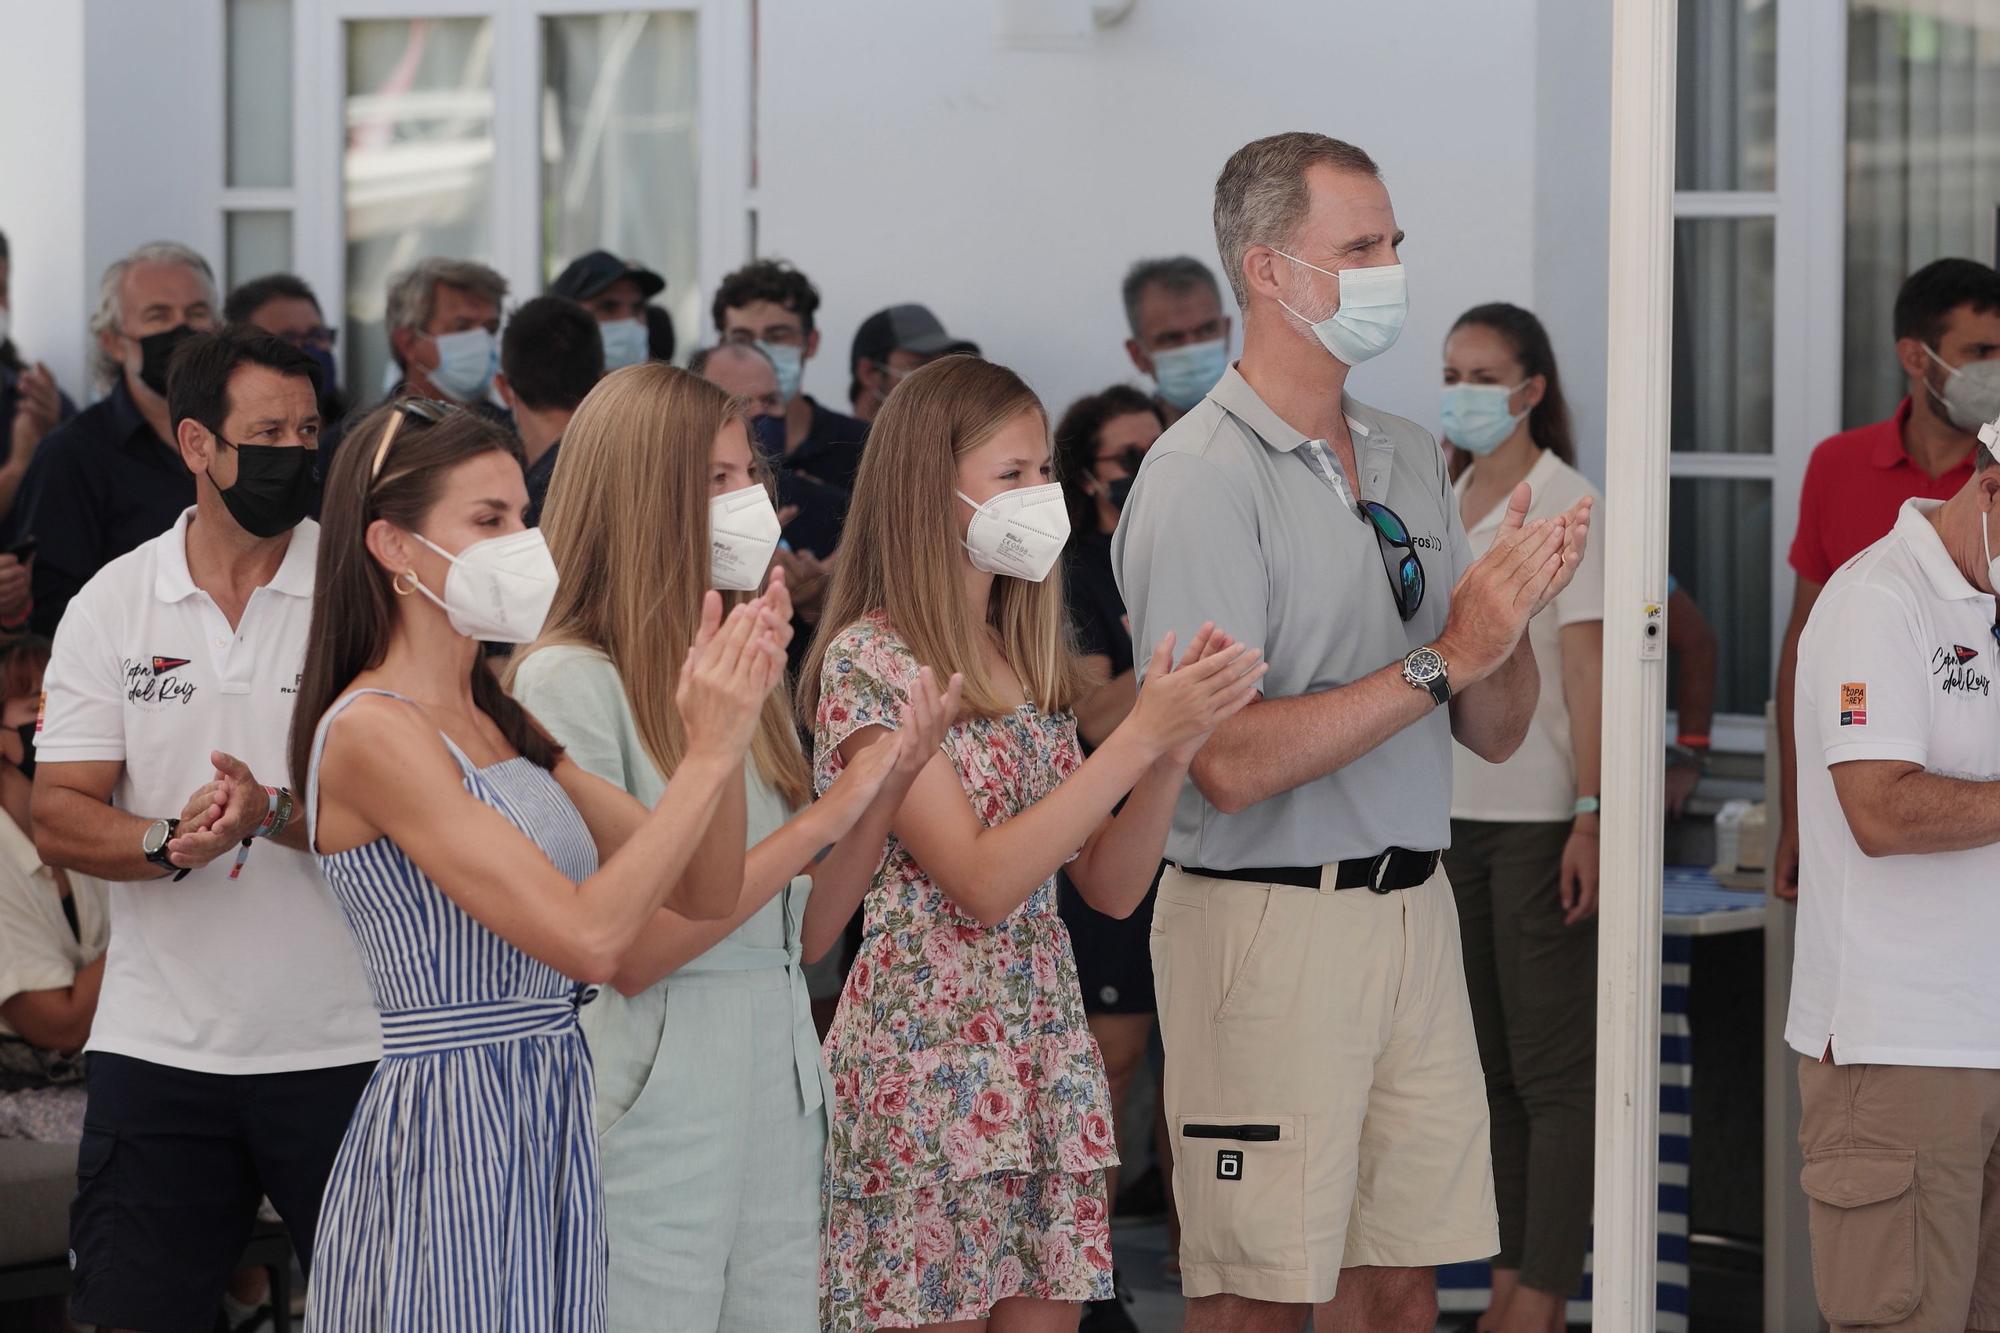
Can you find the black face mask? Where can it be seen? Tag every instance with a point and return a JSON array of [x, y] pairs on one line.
[[273, 490], [27, 731], [156, 350], [1116, 491]]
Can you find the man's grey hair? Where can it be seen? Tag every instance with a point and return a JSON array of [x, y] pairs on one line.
[[413, 294], [1182, 273], [698, 363], [109, 316], [1261, 195]]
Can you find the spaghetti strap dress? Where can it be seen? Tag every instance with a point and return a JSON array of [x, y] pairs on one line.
[[466, 1196]]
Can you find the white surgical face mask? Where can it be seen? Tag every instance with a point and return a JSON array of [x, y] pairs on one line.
[[466, 362], [1373, 304], [743, 531], [1019, 533], [625, 343], [499, 590], [1971, 396]]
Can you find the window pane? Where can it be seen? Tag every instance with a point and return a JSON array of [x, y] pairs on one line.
[[1722, 335], [619, 147], [258, 243], [418, 172], [1725, 138], [260, 93], [1923, 168], [1719, 547]]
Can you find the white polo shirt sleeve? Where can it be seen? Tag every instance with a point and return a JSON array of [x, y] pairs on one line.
[[1869, 680], [1190, 554], [82, 716]]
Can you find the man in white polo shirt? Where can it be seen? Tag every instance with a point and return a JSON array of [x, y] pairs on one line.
[[1895, 989], [235, 1029]]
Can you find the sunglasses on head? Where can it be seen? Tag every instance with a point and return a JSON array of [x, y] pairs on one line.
[[429, 411], [1399, 557]]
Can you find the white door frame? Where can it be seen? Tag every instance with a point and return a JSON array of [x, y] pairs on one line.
[[1638, 397]]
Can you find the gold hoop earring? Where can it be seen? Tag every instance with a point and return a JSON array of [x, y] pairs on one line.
[[396, 583]]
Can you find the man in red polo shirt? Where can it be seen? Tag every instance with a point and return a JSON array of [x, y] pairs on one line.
[[1948, 342]]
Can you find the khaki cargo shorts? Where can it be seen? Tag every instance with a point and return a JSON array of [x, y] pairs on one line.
[[1322, 1084], [1902, 1180]]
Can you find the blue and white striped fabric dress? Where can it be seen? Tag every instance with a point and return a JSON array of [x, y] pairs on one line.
[[466, 1196]]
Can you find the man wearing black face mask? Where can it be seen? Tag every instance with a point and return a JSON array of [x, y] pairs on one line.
[[110, 478], [813, 510], [234, 1031]]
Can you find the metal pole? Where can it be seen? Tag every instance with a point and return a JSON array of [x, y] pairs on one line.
[[1634, 531]]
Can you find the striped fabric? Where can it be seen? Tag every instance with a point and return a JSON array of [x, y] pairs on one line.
[[466, 1197]]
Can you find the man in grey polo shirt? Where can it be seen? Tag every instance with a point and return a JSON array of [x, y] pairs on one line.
[[1322, 1082]]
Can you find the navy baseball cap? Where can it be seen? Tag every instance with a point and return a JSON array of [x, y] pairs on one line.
[[588, 275]]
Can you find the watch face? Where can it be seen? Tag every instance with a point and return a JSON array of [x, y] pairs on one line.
[[1424, 665], [156, 837]]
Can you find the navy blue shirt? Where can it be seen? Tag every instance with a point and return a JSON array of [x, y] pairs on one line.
[[831, 450], [539, 474], [102, 484]]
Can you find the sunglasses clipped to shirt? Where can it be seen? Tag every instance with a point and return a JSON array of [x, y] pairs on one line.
[[1399, 557]]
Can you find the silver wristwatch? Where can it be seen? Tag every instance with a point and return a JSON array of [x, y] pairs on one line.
[[1425, 670]]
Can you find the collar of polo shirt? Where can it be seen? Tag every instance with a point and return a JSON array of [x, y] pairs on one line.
[[172, 582], [1914, 524], [1236, 397]]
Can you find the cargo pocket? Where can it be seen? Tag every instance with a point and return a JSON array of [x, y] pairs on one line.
[[1867, 1267], [1240, 1181], [93, 1213]]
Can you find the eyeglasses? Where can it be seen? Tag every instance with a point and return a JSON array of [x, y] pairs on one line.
[[429, 411], [1406, 572]]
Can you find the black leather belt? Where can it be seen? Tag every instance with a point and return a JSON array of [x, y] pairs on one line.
[[1398, 868]]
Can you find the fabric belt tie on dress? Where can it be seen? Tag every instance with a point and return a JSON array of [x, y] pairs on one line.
[[452, 1027]]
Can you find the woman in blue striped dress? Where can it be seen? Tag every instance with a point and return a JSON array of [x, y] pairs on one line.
[[465, 852]]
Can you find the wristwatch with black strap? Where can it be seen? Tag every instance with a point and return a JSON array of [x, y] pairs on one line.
[[154, 844], [1426, 670]]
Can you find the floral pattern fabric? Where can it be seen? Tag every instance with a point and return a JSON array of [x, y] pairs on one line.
[[970, 1120]]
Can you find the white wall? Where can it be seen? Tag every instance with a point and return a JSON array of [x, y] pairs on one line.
[[153, 94], [1572, 205], [906, 155], [41, 180]]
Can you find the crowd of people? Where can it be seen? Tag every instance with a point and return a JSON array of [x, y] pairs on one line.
[[595, 844]]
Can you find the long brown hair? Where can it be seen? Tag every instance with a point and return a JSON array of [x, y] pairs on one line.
[[353, 608], [1548, 420], [901, 552], [627, 523]]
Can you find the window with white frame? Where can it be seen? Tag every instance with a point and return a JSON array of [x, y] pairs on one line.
[[1723, 526], [1923, 168], [364, 135]]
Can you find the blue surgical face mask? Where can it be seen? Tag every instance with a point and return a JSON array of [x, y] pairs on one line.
[[625, 343], [789, 360], [1186, 374], [1476, 418], [466, 362], [1373, 304]]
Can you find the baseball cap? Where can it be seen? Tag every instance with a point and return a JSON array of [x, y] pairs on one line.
[[911, 327], [588, 275]]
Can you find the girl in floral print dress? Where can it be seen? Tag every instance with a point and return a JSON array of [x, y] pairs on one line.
[[970, 1123]]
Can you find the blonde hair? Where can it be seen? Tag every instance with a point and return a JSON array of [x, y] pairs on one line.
[[627, 523], [901, 553]]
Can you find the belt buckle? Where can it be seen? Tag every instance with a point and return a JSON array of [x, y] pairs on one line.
[[1378, 874]]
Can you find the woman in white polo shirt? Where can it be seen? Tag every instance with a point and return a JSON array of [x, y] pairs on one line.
[[1523, 861]]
